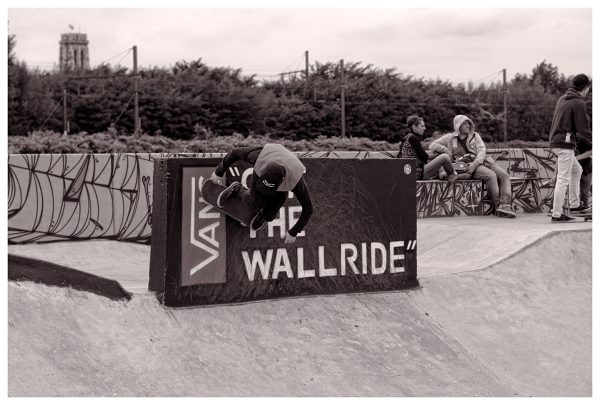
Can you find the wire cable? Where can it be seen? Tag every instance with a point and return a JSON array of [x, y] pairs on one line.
[[125, 108], [49, 115], [117, 55]]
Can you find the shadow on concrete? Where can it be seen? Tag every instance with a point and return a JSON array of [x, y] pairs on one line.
[[39, 271]]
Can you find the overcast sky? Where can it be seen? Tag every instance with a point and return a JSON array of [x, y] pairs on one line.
[[454, 44]]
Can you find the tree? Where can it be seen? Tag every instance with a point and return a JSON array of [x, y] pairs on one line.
[[546, 75]]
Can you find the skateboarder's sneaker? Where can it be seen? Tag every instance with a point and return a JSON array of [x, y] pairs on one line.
[[504, 210], [229, 192], [257, 222], [562, 218]]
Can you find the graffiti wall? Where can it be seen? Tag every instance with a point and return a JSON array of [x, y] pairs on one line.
[[77, 197]]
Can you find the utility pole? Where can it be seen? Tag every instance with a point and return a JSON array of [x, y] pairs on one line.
[[505, 109], [306, 65], [305, 73], [65, 123], [343, 86], [136, 109]]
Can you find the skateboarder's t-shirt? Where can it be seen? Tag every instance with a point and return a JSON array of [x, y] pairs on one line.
[[250, 155]]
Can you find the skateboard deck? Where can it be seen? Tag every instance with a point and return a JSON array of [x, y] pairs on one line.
[[587, 216], [235, 207]]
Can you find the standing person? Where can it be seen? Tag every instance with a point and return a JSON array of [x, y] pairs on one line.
[[465, 141], [584, 157], [276, 171], [410, 147], [570, 121]]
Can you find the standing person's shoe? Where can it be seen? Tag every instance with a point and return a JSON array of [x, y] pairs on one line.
[[504, 210], [562, 218], [229, 192], [582, 209]]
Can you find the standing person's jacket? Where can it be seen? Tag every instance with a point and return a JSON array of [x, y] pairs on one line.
[[410, 147], [570, 121], [258, 156], [449, 142]]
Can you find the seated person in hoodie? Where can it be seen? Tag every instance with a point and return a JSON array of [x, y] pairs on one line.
[[410, 147], [463, 141], [276, 172]]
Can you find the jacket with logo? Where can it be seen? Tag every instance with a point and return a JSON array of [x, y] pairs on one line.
[[570, 122]]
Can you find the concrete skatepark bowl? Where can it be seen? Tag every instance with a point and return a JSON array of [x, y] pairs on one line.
[[508, 318]]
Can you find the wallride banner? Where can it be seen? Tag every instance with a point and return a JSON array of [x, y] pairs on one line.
[[361, 236]]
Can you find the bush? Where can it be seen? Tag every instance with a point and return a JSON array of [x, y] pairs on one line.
[[52, 142]]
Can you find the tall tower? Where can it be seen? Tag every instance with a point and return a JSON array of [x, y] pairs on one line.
[[74, 53]]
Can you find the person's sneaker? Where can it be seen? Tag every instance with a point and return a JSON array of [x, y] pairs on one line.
[[452, 177], [582, 209], [504, 210], [562, 218], [257, 222], [229, 192]]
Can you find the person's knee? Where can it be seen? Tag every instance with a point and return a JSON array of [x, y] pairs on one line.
[[444, 158], [502, 175], [489, 177]]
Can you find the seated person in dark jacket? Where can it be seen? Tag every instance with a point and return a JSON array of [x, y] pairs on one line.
[[276, 171], [410, 147]]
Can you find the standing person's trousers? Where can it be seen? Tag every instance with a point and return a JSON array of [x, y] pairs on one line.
[[568, 174]]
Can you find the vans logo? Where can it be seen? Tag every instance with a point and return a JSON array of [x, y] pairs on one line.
[[203, 233]]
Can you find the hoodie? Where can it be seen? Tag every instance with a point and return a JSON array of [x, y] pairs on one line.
[[447, 143], [570, 121]]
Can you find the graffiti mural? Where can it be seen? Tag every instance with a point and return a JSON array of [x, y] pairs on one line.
[[468, 197], [74, 197], [525, 163], [57, 197], [77, 197], [435, 199], [444, 199]]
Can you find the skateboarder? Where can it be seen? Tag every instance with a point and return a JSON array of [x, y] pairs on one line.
[[569, 122], [464, 141], [276, 171]]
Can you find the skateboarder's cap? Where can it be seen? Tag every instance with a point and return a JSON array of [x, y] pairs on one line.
[[271, 178]]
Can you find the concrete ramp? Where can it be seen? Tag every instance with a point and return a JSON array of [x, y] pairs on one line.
[[528, 319], [522, 326], [379, 344]]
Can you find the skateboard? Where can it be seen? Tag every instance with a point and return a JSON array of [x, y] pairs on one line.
[[235, 207], [587, 216]]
